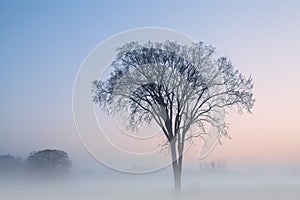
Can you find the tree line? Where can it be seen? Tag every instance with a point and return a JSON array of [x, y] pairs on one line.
[[43, 163]]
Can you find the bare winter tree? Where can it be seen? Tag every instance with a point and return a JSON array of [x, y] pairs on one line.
[[181, 88]]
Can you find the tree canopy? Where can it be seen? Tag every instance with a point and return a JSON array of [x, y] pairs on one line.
[[9, 163], [173, 85], [48, 162]]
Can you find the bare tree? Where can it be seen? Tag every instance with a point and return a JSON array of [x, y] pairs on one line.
[[213, 166], [181, 88]]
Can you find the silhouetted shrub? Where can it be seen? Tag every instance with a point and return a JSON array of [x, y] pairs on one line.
[[10, 164]]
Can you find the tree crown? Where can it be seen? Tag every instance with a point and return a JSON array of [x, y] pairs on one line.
[[175, 85]]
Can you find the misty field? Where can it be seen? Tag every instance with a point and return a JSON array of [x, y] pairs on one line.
[[206, 186]]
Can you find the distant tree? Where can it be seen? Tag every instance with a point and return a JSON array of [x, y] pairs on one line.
[[48, 162], [213, 166], [181, 88], [10, 164]]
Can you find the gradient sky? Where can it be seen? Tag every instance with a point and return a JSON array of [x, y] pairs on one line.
[[43, 44]]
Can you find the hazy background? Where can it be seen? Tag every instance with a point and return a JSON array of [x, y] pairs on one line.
[[43, 43]]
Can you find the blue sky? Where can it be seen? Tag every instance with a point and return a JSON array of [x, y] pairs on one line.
[[43, 44]]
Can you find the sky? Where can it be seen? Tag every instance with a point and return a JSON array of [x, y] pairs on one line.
[[43, 44]]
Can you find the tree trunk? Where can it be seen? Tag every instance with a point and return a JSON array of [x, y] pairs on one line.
[[177, 167], [177, 177]]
